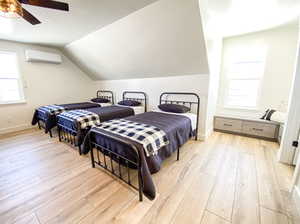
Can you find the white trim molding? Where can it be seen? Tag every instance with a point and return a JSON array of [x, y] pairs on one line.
[[291, 130], [15, 128]]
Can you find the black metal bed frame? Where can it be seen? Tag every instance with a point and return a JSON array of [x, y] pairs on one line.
[[68, 135], [189, 104], [106, 94], [43, 120], [114, 157], [142, 100]]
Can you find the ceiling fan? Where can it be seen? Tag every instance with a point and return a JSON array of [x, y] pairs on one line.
[[14, 9]]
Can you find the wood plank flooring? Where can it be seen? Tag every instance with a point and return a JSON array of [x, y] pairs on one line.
[[226, 179]]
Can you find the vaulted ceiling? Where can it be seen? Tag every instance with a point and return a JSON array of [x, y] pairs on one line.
[[162, 39], [235, 17], [59, 28]]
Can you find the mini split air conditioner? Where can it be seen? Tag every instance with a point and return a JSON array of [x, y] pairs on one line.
[[41, 56]]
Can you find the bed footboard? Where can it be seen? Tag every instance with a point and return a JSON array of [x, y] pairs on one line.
[[42, 124], [68, 135], [116, 164]]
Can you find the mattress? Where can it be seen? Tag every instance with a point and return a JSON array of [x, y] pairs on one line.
[[105, 104], [137, 110]]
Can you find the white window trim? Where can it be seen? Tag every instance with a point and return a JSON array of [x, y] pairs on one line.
[[20, 80]]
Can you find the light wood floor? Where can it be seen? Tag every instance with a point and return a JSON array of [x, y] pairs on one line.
[[226, 179]]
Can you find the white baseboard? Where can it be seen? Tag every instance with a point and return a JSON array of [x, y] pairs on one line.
[[296, 197], [15, 128]]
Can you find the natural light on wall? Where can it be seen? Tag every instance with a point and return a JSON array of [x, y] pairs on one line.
[[235, 17], [244, 74], [6, 25], [10, 83]]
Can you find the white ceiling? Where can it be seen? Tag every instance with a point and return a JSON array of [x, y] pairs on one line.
[[59, 28], [223, 18], [162, 39], [235, 17]]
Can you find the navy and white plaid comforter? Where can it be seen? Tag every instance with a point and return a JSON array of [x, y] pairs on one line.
[[83, 118], [52, 109], [151, 137]]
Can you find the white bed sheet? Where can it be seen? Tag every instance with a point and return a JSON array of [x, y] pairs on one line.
[[137, 110], [191, 116], [105, 104]]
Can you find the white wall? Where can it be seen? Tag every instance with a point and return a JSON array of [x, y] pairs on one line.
[[214, 45], [214, 49], [43, 84], [155, 86], [162, 39], [281, 46]]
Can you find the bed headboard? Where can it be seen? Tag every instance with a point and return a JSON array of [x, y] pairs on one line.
[[164, 99], [106, 94], [141, 97]]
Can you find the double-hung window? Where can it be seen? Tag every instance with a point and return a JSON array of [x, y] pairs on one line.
[[11, 90], [243, 80]]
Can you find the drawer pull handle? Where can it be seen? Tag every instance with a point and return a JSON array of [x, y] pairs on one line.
[[229, 125], [257, 129]]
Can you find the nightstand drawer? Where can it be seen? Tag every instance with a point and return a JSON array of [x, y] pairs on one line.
[[228, 124], [259, 129]]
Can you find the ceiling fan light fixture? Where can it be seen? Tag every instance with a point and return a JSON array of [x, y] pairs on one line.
[[11, 9]]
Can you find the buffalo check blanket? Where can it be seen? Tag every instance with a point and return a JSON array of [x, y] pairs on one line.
[[52, 109], [152, 138], [83, 118]]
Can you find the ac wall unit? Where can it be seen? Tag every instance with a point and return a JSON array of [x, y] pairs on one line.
[[41, 56]]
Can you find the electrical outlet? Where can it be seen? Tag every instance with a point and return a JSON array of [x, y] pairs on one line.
[[295, 144]]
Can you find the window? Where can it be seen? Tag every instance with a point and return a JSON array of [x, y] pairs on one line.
[[244, 69], [243, 84], [11, 90]]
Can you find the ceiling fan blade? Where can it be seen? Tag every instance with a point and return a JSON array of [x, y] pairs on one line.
[[30, 18], [47, 4]]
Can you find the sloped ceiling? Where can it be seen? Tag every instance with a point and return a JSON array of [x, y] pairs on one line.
[[59, 28], [225, 18], [162, 39]]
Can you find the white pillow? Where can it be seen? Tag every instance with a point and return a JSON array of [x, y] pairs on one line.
[[279, 117]]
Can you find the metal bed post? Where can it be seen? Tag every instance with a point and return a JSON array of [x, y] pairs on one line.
[[59, 133], [140, 182], [79, 149], [92, 152]]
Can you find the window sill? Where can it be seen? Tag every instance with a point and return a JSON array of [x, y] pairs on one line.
[[12, 102]]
